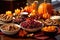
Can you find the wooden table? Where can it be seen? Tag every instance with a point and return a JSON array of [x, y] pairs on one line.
[[5, 37]]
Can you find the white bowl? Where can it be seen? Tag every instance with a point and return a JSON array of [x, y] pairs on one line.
[[34, 29], [24, 13], [10, 32], [55, 17]]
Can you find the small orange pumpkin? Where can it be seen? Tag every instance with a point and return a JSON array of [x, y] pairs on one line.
[[46, 16]]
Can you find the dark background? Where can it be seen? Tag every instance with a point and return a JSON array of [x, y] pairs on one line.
[[6, 5]]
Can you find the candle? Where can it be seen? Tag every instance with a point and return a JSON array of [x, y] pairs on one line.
[[17, 11], [9, 13]]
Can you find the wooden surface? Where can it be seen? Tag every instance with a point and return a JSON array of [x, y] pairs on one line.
[[5, 37]]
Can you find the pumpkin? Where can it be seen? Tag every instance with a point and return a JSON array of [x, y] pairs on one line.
[[44, 8], [46, 16]]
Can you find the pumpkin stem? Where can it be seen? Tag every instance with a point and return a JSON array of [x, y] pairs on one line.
[[45, 1]]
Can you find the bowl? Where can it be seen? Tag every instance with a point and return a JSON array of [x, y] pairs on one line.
[[51, 22], [56, 18], [5, 18], [10, 29], [33, 29], [50, 33], [24, 13]]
